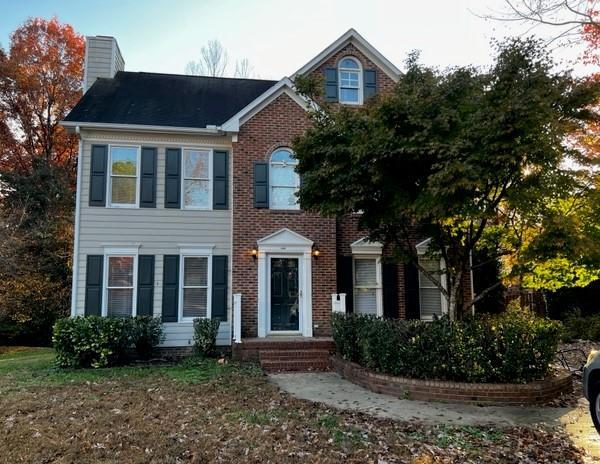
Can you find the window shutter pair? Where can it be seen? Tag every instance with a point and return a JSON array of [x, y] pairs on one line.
[[170, 301], [220, 176], [99, 176], [94, 288], [331, 84]]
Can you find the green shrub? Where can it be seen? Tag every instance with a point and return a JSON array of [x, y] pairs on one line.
[[581, 327], [147, 334], [205, 336], [91, 341], [515, 346]]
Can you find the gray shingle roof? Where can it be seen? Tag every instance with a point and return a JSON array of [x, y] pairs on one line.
[[166, 99]]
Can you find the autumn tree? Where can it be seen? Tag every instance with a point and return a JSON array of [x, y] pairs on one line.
[[40, 81], [442, 154], [564, 20]]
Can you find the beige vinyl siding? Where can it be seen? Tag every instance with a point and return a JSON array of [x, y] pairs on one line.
[[158, 231]]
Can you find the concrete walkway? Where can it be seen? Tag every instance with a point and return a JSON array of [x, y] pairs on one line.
[[330, 389], [336, 392]]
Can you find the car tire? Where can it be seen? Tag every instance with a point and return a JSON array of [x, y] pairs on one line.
[[595, 405]]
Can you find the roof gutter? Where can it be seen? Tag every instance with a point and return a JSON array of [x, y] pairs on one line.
[[71, 126]]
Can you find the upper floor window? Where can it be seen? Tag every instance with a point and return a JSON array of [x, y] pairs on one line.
[[350, 81], [196, 179], [284, 180], [124, 174]]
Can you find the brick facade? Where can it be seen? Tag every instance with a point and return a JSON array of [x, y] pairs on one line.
[[385, 84], [274, 127]]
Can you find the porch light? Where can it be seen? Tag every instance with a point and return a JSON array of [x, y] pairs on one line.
[[254, 253], [316, 252]]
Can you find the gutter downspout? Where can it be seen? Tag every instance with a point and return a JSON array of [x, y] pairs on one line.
[[76, 229]]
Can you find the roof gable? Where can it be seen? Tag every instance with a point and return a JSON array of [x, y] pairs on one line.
[[354, 38]]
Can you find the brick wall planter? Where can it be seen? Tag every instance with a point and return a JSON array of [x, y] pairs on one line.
[[537, 392]]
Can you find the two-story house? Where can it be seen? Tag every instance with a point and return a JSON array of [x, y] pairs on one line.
[[186, 207]]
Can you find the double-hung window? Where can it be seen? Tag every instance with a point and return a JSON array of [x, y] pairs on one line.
[[431, 301], [196, 179], [368, 298], [120, 286], [350, 82], [284, 180], [195, 287], [124, 175]]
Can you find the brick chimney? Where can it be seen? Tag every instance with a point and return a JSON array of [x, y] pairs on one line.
[[102, 59]]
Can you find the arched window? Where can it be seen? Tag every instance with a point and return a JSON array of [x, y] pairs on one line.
[[283, 179], [350, 81]]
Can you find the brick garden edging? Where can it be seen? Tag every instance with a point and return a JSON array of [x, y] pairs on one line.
[[538, 392]]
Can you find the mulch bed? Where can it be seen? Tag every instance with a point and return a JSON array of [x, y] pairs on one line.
[[238, 417]]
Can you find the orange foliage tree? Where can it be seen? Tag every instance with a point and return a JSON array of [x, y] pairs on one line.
[[40, 81]]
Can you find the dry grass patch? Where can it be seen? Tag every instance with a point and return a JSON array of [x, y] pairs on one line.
[[202, 411]]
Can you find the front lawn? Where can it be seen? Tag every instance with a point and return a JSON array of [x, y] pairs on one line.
[[205, 411]]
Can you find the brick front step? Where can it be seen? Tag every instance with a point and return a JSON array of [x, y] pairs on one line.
[[296, 365], [290, 355]]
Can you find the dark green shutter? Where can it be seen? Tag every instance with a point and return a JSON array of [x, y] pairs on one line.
[[219, 288], [345, 281], [370, 82], [148, 178], [411, 291], [331, 84], [98, 168], [145, 291], [261, 184], [390, 290], [170, 297], [172, 178], [93, 285], [220, 180]]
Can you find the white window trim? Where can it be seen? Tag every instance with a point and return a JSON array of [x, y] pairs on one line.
[[422, 249], [378, 277], [120, 252], [201, 251], [210, 178], [271, 185], [360, 81], [137, 176]]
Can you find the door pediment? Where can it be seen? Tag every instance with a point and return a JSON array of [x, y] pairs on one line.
[[284, 240]]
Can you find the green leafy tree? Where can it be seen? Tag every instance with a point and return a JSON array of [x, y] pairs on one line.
[[445, 153]]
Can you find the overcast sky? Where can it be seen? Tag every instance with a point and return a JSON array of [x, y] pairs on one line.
[[277, 36]]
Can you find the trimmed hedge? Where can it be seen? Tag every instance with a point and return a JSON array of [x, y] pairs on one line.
[[513, 347], [94, 341]]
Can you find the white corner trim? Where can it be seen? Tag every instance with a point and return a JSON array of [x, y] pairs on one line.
[[353, 37], [75, 278], [285, 85], [365, 247]]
